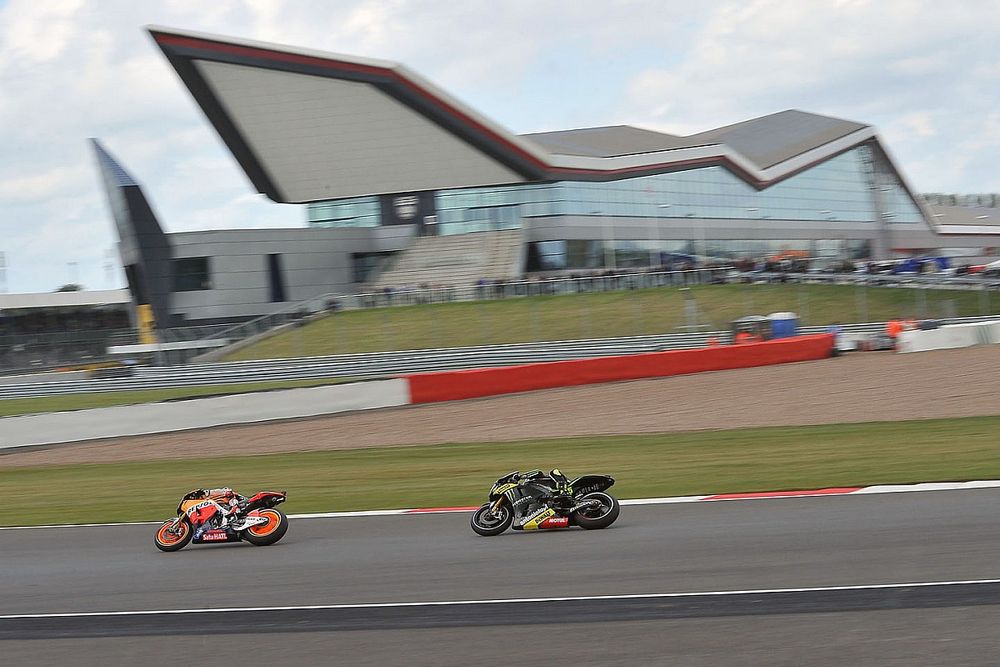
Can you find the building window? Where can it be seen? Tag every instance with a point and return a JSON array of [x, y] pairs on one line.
[[191, 274], [368, 265], [275, 280]]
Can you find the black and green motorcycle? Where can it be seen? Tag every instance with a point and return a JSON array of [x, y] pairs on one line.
[[536, 501]]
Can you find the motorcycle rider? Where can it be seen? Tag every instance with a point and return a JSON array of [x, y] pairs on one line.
[[227, 501]]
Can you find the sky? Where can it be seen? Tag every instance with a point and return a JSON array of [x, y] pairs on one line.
[[925, 73]]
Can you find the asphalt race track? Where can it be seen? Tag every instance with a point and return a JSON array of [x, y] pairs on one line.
[[790, 581]]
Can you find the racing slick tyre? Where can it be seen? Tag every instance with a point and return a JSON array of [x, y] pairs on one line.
[[173, 540], [598, 517], [265, 534], [487, 524]]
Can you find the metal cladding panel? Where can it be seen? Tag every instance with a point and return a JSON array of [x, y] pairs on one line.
[[772, 139], [606, 141], [323, 138]]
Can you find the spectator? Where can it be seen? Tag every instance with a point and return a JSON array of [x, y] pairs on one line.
[[893, 328]]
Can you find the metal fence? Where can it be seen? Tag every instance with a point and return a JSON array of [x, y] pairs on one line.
[[564, 308], [389, 363], [488, 291], [41, 351], [32, 352], [640, 305]]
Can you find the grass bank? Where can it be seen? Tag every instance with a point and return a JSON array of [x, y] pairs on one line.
[[21, 406], [460, 474], [623, 313]]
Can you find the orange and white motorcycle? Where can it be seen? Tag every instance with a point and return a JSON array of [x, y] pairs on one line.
[[202, 518]]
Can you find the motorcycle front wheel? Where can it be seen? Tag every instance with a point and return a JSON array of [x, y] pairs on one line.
[[168, 538], [593, 518], [488, 524]]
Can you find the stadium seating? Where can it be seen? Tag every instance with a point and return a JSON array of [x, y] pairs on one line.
[[456, 260]]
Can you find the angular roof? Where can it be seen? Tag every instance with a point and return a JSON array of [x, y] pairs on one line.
[[607, 141], [772, 139], [309, 125], [111, 170], [965, 219], [766, 141], [78, 299]]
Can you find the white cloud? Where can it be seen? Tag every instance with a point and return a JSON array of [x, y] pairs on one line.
[[923, 72]]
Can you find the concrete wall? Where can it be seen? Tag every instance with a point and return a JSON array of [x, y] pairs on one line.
[[148, 418], [313, 262], [950, 337]]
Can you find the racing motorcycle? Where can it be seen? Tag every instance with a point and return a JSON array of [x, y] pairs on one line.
[[536, 501], [200, 520]]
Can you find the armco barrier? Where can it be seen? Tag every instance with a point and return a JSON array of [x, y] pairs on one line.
[[473, 383]]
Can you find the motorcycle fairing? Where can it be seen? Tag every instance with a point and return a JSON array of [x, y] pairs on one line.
[[214, 536], [201, 511], [265, 499], [535, 521], [590, 483], [500, 489]]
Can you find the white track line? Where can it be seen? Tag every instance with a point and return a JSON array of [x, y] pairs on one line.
[[458, 603], [671, 500]]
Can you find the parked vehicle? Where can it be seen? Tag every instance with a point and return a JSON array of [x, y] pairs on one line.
[[536, 501], [201, 519]]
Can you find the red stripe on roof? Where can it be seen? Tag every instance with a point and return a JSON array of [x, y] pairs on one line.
[[330, 63]]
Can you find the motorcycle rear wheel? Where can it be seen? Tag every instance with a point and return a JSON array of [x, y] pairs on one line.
[[265, 534], [597, 519], [167, 541], [487, 524]]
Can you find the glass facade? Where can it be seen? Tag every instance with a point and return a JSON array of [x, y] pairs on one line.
[[843, 189], [899, 206], [836, 190], [622, 254], [354, 212]]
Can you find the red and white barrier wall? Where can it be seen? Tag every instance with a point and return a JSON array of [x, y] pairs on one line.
[[150, 418], [950, 337], [474, 383]]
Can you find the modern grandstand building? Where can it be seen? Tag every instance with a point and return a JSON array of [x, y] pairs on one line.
[[392, 167]]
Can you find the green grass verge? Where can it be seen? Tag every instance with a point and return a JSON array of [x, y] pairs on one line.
[[460, 474], [22, 406], [623, 313]]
